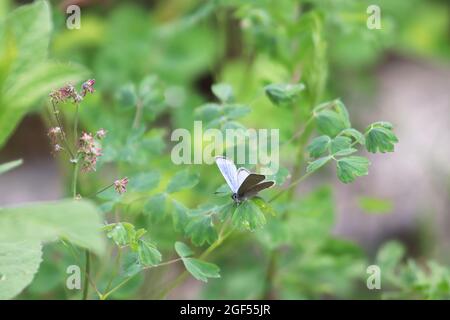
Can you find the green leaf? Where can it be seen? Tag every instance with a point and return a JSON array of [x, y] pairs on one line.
[[144, 181], [340, 143], [183, 179], [179, 216], [318, 146], [155, 207], [127, 95], [183, 250], [332, 118], [345, 152], [30, 76], [390, 255], [148, 254], [317, 164], [355, 134], [201, 229], [248, 216], [349, 168], [78, 221], [380, 137], [122, 233], [5, 167], [234, 111], [284, 94], [375, 205], [264, 206], [19, 262], [208, 112], [201, 270], [223, 91]]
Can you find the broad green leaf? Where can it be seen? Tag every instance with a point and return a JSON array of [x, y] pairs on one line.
[[375, 205], [208, 112], [318, 146], [201, 229], [155, 207], [284, 94], [183, 250], [317, 164], [201, 270], [223, 91], [332, 118], [340, 143], [19, 262], [248, 216], [77, 221], [5, 167], [349, 168], [148, 254], [380, 137], [144, 181], [30, 76], [182, 180]]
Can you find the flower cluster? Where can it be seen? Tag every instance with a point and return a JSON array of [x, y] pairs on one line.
[[121, 185], [68, 92], [89, 149]]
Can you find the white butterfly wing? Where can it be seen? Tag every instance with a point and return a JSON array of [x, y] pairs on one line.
[[229, 172], [242, 174]]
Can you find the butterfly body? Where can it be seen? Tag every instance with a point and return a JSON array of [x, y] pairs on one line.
[[243, 184]]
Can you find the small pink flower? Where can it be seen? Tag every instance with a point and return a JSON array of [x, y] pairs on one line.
[[101, 133], [57, 148], [87, 86], [121, 185]]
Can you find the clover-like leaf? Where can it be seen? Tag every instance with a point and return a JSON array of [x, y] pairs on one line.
[[179, 215], [355, 134], [248, 216], [122, 233], [183, 179], [282, 94], [155, 207], [183, 250], [340, 143], [380, 137], [223, 91], [264, 206], [315, 165], [349, 168], [201, 230], [201, 270], [148, 254], [318, 146], [332, 118]]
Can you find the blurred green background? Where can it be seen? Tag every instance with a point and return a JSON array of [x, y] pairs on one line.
[[179, 49]]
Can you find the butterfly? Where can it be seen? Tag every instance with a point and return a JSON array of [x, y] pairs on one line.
[[242, 182]]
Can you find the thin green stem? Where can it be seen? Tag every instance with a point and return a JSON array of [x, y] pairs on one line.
[[75, 178], [138, 115], [293, 184], [182, 277], [87, 269]]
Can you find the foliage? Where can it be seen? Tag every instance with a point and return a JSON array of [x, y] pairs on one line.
[[164, 69]]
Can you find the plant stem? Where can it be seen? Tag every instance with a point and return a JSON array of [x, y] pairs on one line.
[[75, 178], [63, 134], [75, 126], [293, 184], [87, 269], [182, 277]]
